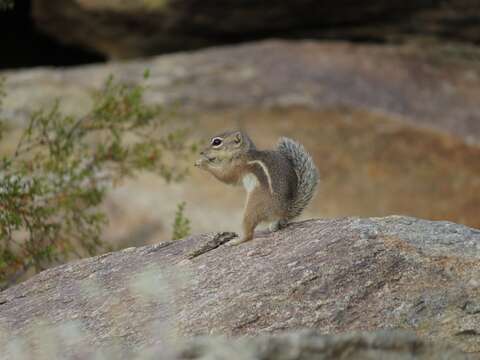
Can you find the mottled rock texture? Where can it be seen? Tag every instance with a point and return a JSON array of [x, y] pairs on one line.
[[332, 275], [122, 29]]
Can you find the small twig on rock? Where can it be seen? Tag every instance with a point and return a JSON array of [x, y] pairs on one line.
[[218, 239]]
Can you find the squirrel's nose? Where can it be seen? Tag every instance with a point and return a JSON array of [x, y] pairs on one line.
[[202, 152]]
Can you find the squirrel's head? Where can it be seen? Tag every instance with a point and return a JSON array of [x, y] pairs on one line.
[[224, 148]]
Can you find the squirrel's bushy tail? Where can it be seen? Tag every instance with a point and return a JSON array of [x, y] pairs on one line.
[[307, 174]]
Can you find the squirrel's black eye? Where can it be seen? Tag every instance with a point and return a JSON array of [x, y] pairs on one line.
[[217, 142]]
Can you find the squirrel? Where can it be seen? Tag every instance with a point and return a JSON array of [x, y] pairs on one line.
[[279, 183]]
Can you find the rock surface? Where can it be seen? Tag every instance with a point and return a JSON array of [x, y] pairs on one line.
[[434, 87], [332, 275], [122, 29]]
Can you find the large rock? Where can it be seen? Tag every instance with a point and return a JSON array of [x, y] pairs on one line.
[[122, 29], [332, 275], [433, 86]]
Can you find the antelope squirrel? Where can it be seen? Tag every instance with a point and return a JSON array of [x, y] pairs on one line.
[[279, 183]]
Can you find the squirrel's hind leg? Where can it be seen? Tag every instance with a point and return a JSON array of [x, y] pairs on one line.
[[249, 225], [254, 214]]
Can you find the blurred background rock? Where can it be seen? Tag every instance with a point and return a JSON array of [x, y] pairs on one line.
[[386, 95], [132, 28]]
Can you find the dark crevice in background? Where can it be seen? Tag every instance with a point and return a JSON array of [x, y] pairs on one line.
[[22, 45]]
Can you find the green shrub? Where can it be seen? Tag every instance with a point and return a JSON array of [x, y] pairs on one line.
[[52, 185], [181, 224]]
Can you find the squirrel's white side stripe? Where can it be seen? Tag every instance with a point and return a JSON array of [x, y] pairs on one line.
[[265, 170]]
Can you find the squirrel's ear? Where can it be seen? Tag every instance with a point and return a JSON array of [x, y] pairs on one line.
[[238, 138]]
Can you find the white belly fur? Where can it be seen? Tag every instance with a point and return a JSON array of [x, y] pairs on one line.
[[250, 182]]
